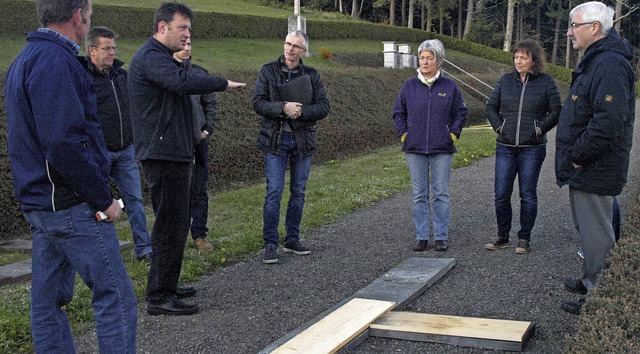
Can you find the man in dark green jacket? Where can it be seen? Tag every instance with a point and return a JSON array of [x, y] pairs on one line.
[[594, 134]]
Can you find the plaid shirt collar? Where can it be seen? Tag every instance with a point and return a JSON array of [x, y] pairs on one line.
[[73, 45]]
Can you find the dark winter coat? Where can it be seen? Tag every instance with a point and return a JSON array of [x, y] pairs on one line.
[[159, 90], [268, 103], [596, 124], [516, 108], [112, 97], [429, 115], [56, 146]]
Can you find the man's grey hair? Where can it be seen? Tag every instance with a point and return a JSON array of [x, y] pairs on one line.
[[298, 33], [58, 11], [434, 46], [595, 11]]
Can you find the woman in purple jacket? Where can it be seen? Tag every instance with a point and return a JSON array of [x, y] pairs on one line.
[[429, 115]]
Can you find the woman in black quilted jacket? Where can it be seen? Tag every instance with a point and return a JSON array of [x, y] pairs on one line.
[[524, 106]]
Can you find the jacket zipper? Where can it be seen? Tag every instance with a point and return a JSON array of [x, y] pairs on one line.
[[115, 93], [524, 85]]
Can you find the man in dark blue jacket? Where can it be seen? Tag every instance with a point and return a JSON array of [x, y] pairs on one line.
[[163, 126], [288, 135], [110, 81], [60, 171], [594, 134]]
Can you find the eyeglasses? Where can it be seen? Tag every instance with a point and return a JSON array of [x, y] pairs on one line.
[[108, 49], [295, 46], [574, 25]]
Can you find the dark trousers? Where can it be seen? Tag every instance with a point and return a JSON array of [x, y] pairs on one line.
[[199, 195], [169, 184]]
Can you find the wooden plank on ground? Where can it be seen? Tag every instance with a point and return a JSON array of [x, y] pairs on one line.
[[335, 330], [464, 331]]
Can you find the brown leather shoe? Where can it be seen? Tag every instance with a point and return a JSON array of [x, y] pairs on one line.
[[202, 244], [421, 245]]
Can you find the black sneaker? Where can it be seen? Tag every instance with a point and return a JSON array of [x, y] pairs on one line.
[[574, 307], [295, 246], [173, 307], [575, 286], [497, 244], [270, 254]]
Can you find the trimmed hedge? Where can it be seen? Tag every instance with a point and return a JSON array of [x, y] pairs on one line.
[[359, 122]]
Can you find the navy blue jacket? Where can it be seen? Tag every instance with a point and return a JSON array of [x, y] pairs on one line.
[[516, 108], [596, 124], [428, 115], [112, 98], [56, 148], [161, 110], [268, 103]]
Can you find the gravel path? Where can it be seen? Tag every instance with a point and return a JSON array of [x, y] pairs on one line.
[[245, 307]]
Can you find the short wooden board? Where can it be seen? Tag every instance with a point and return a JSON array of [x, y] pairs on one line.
[[465, 331], [339, 327]]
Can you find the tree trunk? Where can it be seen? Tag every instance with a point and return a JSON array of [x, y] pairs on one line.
[[354, 9], [441, 17], [459, 36], [509, 26], [469, 20], [616, 24], [556, 34], [360, 9], [404, 13], [392, 12], [410, 19], [429, 15]]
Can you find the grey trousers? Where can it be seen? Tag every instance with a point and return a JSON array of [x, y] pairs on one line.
[[592, 215]]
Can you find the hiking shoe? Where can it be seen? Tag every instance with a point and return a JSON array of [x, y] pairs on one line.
[[497, 244], [270, 254], [296, 247], [574, 307], [523, 246], [421, 245], [202, 244], [575, 286]]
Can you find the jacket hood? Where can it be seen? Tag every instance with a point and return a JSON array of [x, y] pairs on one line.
[[612, 42]]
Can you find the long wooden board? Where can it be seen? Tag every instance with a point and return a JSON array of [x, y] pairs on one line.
[[465, 331], [339, 327]]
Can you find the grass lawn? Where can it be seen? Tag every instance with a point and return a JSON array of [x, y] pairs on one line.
[[237, 215]]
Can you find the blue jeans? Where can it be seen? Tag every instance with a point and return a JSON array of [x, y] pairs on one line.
[[275, 167], [199, 194], [170, 185], [434, 169], [69, 241], [525, 162], [124, 171]]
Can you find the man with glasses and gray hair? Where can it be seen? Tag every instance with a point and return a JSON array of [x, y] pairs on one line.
[[291, 98], [112, 98], [594, 135], [60, 172]]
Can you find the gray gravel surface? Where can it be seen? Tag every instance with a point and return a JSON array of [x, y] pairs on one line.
[[247, 306]]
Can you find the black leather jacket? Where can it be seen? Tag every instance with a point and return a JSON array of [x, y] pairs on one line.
[[268, 104]]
